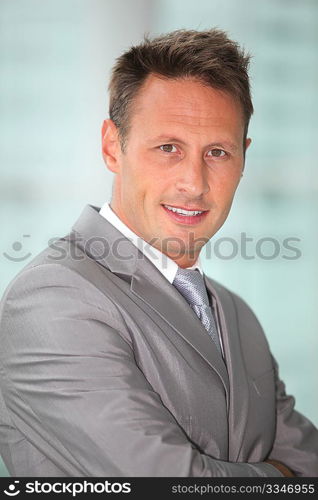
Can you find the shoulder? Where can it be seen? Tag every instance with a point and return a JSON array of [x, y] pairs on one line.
[[45, 268], [61, 263], [57, 278], [51, 296]]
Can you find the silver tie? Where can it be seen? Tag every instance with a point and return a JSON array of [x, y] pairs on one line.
[[191, 285]]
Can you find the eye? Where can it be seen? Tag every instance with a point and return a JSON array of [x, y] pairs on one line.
[[217, 153], [168, 148]]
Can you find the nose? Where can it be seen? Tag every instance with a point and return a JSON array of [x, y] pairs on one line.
[[193, 178]]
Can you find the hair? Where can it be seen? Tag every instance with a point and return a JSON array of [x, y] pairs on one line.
[[209, 57]]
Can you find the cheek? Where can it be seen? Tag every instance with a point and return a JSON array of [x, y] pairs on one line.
[[223, 186], [131, 178], [139, 187], [153, 180]]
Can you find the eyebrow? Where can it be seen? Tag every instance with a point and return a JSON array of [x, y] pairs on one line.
[[220, 144]]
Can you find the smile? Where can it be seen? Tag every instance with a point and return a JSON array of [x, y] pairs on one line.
[[184, 212], [184, 216]]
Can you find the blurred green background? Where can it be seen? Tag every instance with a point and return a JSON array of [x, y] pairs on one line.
[[55, 59]]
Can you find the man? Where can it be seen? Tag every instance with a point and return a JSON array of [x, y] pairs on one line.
[[119, 356]]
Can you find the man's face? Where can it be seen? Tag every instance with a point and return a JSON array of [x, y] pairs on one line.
[[184, 150]]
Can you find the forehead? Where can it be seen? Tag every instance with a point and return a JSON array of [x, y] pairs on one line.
[[185, 102]]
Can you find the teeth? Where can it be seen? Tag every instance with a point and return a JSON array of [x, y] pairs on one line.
[[184, 212]]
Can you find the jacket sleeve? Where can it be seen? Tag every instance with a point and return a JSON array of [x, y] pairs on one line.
[[296, 439], [72, 387]]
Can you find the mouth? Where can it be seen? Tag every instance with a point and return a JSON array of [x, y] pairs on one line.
[[185, 216]]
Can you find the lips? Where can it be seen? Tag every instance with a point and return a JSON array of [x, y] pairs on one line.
[[185, 219], [184, 211]]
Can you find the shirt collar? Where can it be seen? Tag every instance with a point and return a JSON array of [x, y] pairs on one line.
[[167, 266]]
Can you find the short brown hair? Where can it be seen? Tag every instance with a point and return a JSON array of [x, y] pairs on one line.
[[208, 56]]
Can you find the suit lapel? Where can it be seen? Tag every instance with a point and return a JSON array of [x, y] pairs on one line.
[[239, 392], [156, 291]]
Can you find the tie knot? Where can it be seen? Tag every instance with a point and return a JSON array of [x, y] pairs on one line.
[[191, 285]]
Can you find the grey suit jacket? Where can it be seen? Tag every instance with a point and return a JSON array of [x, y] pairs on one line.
[[106, 371]]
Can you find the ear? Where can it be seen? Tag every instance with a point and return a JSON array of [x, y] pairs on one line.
[[110, 145], [247, 143]]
